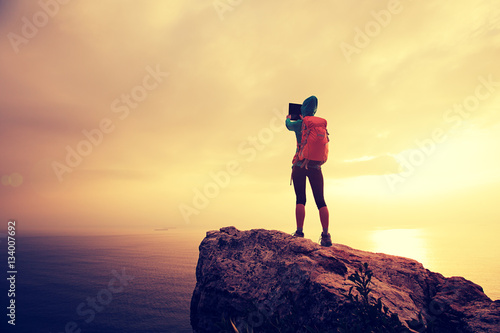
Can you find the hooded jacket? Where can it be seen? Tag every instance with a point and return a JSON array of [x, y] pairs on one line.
[[308, 108]]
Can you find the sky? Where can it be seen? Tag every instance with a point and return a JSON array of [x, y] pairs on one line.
[[119, 116]]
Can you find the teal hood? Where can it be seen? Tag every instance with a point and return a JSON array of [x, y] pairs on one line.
[[309, 106]]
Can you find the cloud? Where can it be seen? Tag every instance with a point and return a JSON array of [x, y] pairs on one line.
[[363, 166], [227, 77]]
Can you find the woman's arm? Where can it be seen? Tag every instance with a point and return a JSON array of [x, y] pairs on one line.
[[293, 125]]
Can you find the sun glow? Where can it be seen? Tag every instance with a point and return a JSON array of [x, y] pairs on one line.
[[459, 162], [408, 243]]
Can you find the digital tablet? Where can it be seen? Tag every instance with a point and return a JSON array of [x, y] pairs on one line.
[[294, 111]]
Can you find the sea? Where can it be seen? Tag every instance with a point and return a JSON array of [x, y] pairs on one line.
[[102, 284]]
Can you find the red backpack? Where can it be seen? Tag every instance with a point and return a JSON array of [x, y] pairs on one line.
[[314, 142]]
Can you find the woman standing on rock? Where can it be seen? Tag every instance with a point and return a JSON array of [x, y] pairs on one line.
[[312, 152]]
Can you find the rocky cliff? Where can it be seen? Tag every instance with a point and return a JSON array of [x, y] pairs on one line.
[[268, 281]]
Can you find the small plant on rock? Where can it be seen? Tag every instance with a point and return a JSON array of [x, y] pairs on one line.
[[363, 313]]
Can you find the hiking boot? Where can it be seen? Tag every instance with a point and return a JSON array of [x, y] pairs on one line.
[[326, 240], [298, 234]]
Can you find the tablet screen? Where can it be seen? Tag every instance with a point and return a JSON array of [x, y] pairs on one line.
[[294, 111]]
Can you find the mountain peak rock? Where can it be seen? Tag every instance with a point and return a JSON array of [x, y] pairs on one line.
[[269, 281]]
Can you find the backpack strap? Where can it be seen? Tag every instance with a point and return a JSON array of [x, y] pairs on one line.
[[305, 164]]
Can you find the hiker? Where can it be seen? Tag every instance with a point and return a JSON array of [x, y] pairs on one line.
[[304, 166]]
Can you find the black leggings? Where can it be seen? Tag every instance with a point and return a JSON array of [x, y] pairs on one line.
[[315, 179]]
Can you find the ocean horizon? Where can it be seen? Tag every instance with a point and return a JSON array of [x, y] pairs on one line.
[[132, 283]]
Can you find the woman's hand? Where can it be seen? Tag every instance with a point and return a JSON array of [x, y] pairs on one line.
[[289, 116]]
